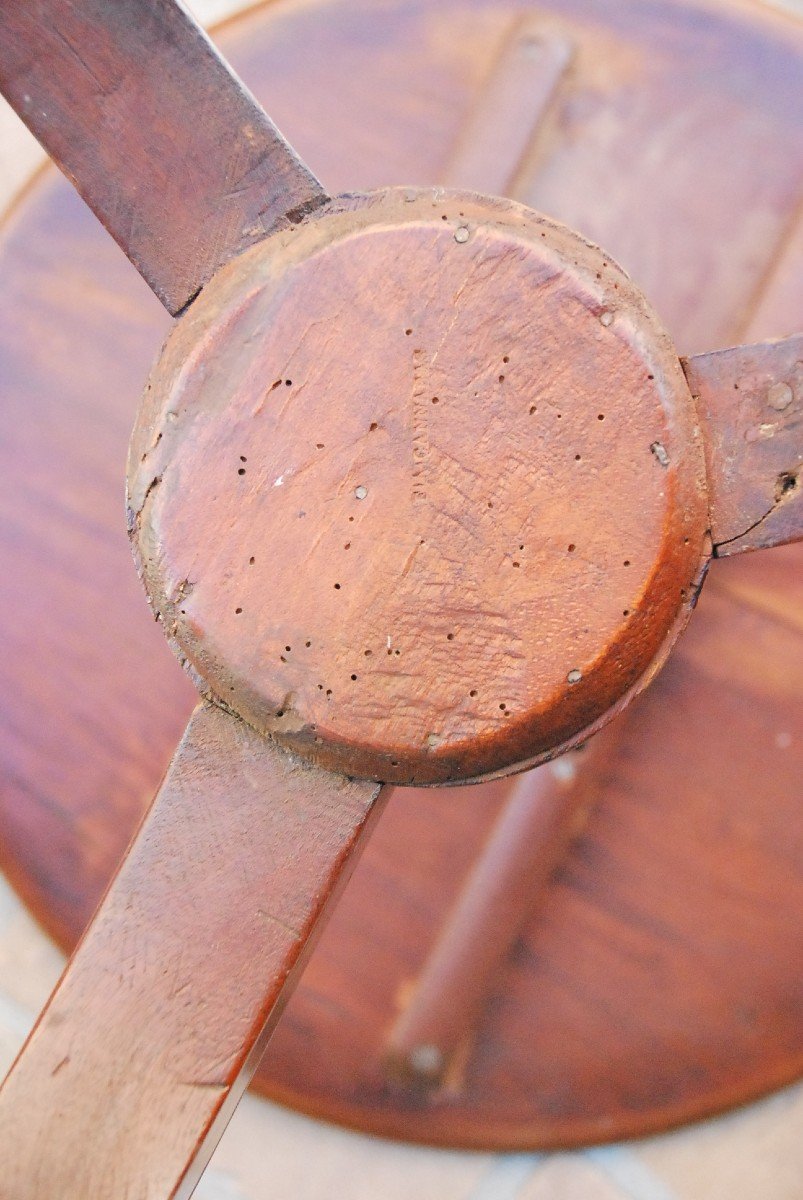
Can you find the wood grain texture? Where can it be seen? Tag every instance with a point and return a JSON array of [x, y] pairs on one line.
[[750, 401], [511, 111], [433, 1037], [92, 700], [498, 500], [661, 975], [150, 1038], [161, 139]]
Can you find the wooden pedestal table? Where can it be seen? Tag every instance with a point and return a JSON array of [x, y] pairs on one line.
[[491, 316]]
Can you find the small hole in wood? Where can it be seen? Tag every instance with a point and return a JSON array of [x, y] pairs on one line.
[[571, 548], [238, 611], [337, 587], [786, 483]]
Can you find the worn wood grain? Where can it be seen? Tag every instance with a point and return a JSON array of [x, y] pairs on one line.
[[158, 1023], [92, 700], [500, 135], [660, 976], [750, 401], [432, 1040], [499, 502], [161, 139]]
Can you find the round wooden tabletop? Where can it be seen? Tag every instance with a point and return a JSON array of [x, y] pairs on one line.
[[659, 978]]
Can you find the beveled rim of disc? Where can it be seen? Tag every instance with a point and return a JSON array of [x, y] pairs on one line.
[[417, 488]]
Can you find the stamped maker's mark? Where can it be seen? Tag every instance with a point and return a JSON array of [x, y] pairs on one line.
[[420, 399]]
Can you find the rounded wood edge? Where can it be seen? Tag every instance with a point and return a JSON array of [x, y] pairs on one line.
[[228, 613]]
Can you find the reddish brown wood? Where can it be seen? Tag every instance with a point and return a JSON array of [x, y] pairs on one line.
[[161, 139], [661, 974], [544, 812], [92, 699], [777, 308], [499, 137], [750, 400], [455, 615], [157, 1025]]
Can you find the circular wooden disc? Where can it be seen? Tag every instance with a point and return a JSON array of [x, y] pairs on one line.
[[660, 980], [392, 405]]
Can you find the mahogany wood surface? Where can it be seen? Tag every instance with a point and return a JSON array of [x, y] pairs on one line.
[[543, 814], [163, 142], [156, 1027], [750, 401], [574, 1044], [494, 144], [371, 555]]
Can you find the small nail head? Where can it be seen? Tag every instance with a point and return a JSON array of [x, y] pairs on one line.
[[780, 396], [574, 676], [461, 234], [361, 492], [426, 1059], [606, 317], [659, 450]]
